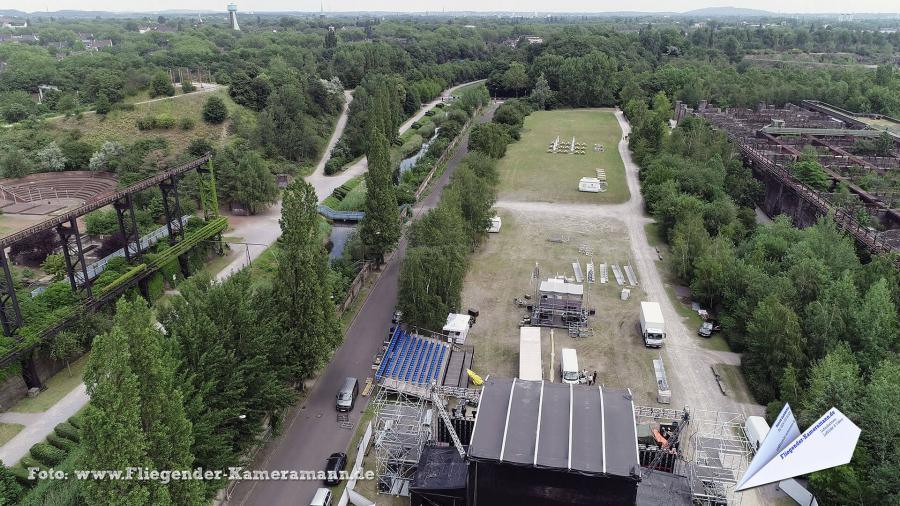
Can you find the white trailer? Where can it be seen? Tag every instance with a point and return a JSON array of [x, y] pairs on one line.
[[530, 365], [653, 326], [589, 184]]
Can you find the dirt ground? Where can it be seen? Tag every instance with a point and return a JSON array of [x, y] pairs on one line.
[[501, 270]]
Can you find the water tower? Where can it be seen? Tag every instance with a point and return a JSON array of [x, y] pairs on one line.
[[232, 16]]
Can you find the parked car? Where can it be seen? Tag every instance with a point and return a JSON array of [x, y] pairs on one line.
[[322, 498], [708, 327], [333, 467], [397, 316]]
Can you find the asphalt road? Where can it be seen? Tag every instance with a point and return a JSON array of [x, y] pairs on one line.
[[311, 432]]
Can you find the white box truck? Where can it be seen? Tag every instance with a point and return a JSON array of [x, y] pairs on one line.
[[530, 354], [653, 326], [569, 366]]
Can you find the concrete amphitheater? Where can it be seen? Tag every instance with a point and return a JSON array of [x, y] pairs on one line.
[[51, 192]]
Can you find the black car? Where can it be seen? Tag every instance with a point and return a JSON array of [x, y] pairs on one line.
[[333, 467]]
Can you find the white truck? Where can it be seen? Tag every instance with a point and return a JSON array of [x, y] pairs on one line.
[[653, 326], [530, 354]]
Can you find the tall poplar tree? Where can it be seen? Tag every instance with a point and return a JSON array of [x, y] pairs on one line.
[[380, 228], [137, 414], [302, 288]]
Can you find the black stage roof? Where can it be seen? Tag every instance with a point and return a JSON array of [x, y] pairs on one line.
[[577, 428]]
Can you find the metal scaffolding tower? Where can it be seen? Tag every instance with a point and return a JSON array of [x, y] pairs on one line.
[[402, 425], [721, 453]]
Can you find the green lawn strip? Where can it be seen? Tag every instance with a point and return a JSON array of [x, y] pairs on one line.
[[9, 431], [58, 386]]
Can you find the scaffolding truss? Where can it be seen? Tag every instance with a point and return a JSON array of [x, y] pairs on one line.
[[402, 425], [721, 453]]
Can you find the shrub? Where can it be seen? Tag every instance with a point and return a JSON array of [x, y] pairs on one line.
[[21, 475], [28, 461], [165, 121], [68, 431], [186, 123], [47, 454], [66, 445], [102, 106], [161, 85], [214, 111], [145, 123], [155, 286], [77, 421], [187, 86]]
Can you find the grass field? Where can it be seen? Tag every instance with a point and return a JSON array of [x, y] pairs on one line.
[[57, 387], [530, 173], [501, 270], [122, 125], [9, 431]]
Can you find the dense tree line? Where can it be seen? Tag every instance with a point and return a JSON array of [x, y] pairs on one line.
[[590, 66], [440, 243], [198, 389], [817, 325]]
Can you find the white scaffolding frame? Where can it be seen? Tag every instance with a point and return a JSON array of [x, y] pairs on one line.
[[721, 454], [401, 430]]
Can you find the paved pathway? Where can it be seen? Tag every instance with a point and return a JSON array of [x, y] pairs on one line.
[[39, 425], [312, 432], [262, 229]]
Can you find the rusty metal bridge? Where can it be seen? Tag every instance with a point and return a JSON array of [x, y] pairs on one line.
[[70, 237]]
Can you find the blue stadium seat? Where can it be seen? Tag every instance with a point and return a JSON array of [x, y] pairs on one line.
[[437, 349], [401, 352], [426, 366], [423, 364], [388, 354], [412, 360], [406, 356], [438, 363]]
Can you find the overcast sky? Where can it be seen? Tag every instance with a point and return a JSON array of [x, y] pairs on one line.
[[520, 6]]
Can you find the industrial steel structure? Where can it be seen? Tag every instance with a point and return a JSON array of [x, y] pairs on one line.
[[72, 247], [771, 139]]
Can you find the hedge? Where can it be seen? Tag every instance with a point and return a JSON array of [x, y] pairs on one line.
[[68, 431], [21, 475], [47, 454], [28, 461], [77, 421], [62, 443]]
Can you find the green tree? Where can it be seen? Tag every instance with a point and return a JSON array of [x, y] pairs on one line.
[[229, 365], [134, 364], [774, 342], [161, 85], [112, 436], [330, 38], [243, 176], [10, 490], [877, 325], [302, 287], [107, 158], [879, 408], [541, 95], [14, 163], [811, 173], [65, 346], [490, 139], [380, 228], [834, 381], [54, 265], [515, 78], [214, 110], [51, 158], [689, 241], [102, 105]]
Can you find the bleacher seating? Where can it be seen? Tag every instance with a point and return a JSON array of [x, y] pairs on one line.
[[412, 358], [54, 186]]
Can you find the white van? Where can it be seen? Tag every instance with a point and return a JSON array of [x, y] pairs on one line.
[[569, 370], [322, 498]]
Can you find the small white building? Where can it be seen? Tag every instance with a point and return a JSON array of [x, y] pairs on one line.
[[457, 327], [495, 225], [589, 184]]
